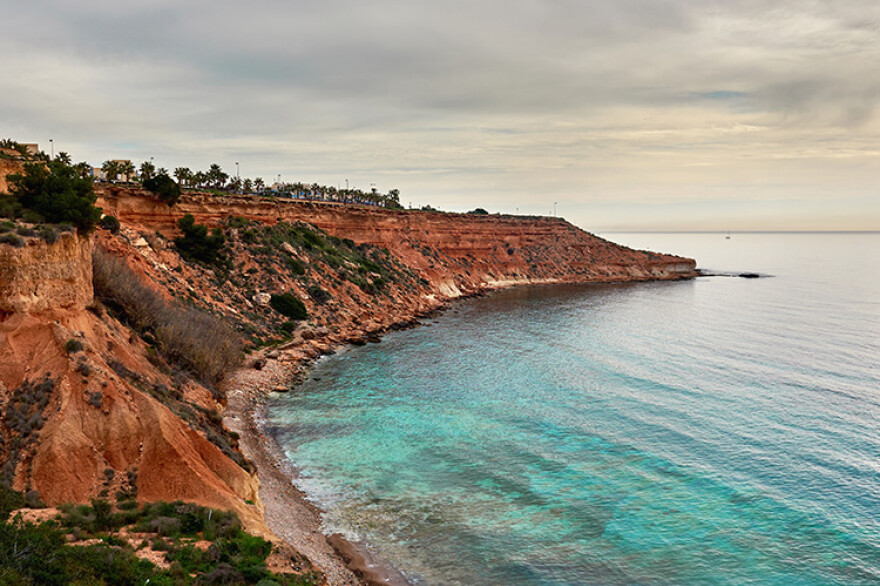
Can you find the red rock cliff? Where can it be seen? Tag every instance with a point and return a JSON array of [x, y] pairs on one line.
[[455, 252], [42, 276], [101, 429]]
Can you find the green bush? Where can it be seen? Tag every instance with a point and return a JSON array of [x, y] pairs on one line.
[[73, 345], [289, 306], [39, 555], [319, 295], [12, 239], [57, 193], [295, 266], [196, 245], [110, 223], [165, 187]]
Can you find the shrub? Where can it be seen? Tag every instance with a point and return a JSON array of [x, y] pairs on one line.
[[196, 245], [479, 212], [320, 296], [295, 266], [96, 399], [185, 337], [10, 500], [289, 306], [110, 223], [48, 234], [73, 345], [11, 239], [165, 187], [57, 193], [199, 342]]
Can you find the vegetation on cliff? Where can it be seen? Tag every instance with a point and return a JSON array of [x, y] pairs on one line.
[[185, 337], [164, 187], [100, 544], [196, 245], [52, 192], [255, 262], [22, 421]]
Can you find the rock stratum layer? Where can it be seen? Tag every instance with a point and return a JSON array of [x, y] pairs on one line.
[[42, 276], [456, 253]]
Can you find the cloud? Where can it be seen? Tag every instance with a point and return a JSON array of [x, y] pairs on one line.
[[517, 102]]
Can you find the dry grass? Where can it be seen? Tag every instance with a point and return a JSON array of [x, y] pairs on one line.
[[185, 337]]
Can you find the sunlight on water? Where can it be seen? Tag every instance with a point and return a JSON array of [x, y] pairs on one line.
[[715, 431]]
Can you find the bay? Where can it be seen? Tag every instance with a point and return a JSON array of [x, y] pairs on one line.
[[716, 431]]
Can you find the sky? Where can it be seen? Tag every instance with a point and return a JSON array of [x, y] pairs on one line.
[[620, 114]]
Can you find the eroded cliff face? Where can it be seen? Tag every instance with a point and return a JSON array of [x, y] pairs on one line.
[[42, 276], [78, 397], [456, 253]]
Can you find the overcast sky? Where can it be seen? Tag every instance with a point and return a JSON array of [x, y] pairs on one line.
[[631, 114]]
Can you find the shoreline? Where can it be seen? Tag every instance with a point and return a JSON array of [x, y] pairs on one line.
[[288, 513]]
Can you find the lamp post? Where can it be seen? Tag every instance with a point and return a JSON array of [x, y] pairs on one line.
[[237, 175], [52, 147], [554, 208]]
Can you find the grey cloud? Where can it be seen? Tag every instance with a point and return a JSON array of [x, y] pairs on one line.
[[501, 95]]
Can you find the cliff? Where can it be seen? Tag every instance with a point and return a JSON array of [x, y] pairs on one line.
[[79, 397], [456, 252], [42, 276]]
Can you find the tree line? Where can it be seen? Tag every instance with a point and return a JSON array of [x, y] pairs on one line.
[[214, 178]]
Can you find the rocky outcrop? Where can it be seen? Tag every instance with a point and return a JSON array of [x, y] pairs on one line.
[[42, 276]]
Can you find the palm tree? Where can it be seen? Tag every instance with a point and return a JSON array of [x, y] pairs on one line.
[[199, 179], [63, 157], [247, 186], [84, 169], [148, 169], [216, 176], [183, 175], [127, 168], [259, 184], [110, 170]]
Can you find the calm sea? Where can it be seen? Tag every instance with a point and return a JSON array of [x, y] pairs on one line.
[[713, 431]]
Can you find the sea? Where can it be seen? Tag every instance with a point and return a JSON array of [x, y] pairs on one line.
[[719, 430]]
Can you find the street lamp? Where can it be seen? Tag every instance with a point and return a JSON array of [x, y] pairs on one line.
[[52, 147], [237, 175], [554, 208]]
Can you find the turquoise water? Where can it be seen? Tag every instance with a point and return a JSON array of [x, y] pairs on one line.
[[714, 431]]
